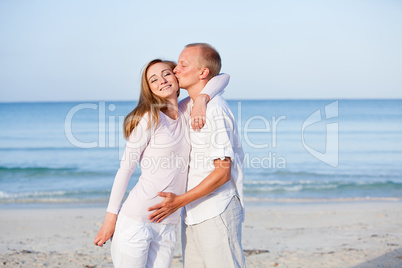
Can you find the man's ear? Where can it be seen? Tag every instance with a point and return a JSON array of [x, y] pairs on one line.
[[204, 73]]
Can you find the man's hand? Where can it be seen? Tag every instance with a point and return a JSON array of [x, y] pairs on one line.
[[198, 112], [107, 230], [170, 204]]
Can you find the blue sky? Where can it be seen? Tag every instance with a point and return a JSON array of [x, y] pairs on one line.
[[95, 50]]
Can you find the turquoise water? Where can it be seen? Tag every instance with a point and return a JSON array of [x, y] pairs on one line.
[[295, 149]]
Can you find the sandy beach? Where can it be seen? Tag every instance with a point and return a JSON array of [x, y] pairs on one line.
[[325, 234]]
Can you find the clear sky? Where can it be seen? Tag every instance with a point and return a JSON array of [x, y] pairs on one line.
[[94, 50]]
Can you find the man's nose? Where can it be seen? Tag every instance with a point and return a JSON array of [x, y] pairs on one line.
[[176, 70]]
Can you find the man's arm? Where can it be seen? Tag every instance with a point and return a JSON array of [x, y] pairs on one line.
[[172, 202]]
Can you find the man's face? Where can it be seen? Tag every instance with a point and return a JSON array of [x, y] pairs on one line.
[[187, 70]]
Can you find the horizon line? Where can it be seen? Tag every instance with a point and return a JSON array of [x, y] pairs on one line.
[[234, 99]]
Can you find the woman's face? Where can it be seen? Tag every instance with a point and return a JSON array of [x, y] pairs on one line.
[[162, 81]]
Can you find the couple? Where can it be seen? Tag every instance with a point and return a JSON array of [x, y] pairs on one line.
[[197, 168]]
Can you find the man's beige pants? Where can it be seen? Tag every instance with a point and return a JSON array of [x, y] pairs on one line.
[[215, 242]]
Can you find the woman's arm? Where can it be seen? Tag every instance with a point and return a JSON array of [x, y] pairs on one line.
[[136, 144], [214, 86], [107, 229]]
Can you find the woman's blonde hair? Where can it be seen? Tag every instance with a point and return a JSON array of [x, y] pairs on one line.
[[148, 102]]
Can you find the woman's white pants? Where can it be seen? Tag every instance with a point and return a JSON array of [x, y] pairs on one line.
[[142, 244]]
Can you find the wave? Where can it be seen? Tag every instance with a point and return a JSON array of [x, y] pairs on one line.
[[317, 174], [321, 200], [34, 169], [278, 182], [16, 174], [53, 196], [254, 187], [4, 195], [59, 197], [278, 191]]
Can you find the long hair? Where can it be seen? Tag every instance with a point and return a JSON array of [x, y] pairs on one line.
[[148, 102]]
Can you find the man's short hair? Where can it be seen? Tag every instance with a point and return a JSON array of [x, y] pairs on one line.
[[209, 58]]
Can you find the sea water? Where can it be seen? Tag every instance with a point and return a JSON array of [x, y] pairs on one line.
[[295, 150]]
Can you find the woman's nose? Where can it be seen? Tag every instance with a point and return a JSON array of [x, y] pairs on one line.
[[163, 80]]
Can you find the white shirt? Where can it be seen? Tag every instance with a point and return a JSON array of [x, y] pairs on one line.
[[163, 153], [219, 138]]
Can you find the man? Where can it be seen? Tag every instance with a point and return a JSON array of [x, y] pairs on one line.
[[213, 204]]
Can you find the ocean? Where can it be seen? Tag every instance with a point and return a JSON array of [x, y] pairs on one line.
[[295, 150]]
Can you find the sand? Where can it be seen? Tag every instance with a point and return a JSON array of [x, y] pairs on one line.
[[324, 234]]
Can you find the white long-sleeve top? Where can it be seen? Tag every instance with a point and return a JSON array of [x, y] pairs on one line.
[[163, 154]]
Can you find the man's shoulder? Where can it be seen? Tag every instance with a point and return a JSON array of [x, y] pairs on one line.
[[218, 103]]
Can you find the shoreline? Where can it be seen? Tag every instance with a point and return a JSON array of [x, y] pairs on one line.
[[250, 201], [337, 234]]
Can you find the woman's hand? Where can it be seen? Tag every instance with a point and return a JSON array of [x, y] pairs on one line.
[[107, 229], [198, 112]]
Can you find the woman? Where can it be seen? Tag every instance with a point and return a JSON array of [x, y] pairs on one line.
[[157, 138]]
